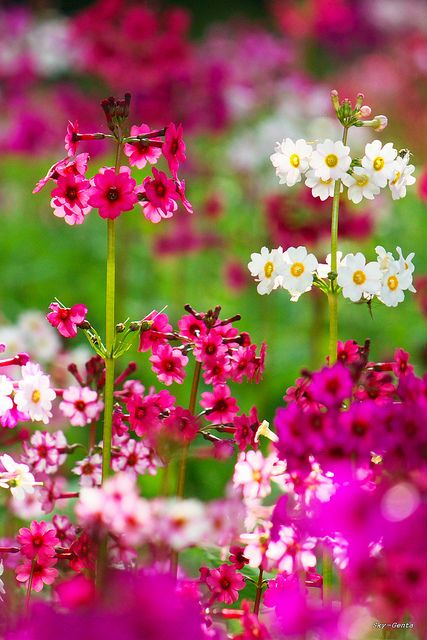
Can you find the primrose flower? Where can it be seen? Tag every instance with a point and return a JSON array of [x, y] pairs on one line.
[[70, 198], [168, 364], [90, 470], [174, 147], [16, 477], [330, 160], [225, 583], [322, 189], [298, 270], [70, 143], [265, 267], [65, 319], [379, 161], [139, 153], [358, 278], [81, 405], [291, 160], [34, 395], [402, 177], [43, 451], [360, 185], [38, 541], [393, 284], [253, 473], [220, 405], [42, 572], [112, 193], [181, 523]]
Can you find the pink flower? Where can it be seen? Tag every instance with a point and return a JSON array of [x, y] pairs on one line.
[[332, 385], [192, 328], [225, 583], [70, 198], [180, 189], [39, 541], [237, 557], [43, 573], [134, 457], [209, 347], [348, 352], [71, 141], [182, 425], [65, 530], [139, 153], [220, 406], [159, 196], [217, 371], [174, 147], [154, 336], [43, 451], [75, 165], [76, 592], [81, 405], [90, 470], [112, 193], [253, 473], [65, 319], [401, 364], [168, 364], [246, 428]]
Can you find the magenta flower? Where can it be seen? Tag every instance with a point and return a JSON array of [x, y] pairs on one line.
[[139, 153], [237, 557], [43, 572], [174, 147], [65, 319], [160, 193], [192, 328], [209, 347], [81, 405], [246, 428], [225, 583], [38, 541], [182, 425], [112, 193], [220, 405], [401, 364], [168, 364], [70, 198], [75, 165], [154, 336], [71, 143], [332, 385]]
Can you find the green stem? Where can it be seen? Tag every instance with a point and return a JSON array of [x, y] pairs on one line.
[[258, 595], [184, 453], [29, 586]]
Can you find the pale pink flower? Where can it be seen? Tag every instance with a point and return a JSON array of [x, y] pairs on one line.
[[90, 470], [45, 451], [34, 395], [134, 457], [81, 405], [180, 523], [292, 552], [253, 474]]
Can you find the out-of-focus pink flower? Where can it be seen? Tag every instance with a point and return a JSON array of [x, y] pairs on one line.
[[81, 405], [112, 193], [174, 147], [71, 143], [252, 474], [76, 592], [42, 572], [65, 319], [332, 385], [422, 185], [182, 425]]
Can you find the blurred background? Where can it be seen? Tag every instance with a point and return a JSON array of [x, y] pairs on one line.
[[239, 76]]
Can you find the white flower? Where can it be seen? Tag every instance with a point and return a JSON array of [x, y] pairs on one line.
[[291, 160], [379, 161], [6, 388], [322, 189], [360, 185], [180, 523], [324, 269], [34, 395], [407, 264], [393, 284], [402, 177], [298, 271], [265, 267], [385, 258], [358, 278], [16, 477], [330, 160]]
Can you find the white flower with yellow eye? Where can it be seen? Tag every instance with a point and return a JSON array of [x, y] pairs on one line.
[[299, 267], [402, 178], [291, 160], [357, 278], [322, 189], [330, 160], [380, 162], [265, 267], [360, 185], [394, 282]]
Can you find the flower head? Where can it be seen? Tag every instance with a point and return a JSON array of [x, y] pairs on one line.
[[379, 162], [291, 160], [112, 193], [225, 583], [139, 153], [265, 267], [330, 160], [358, 278], [81, 405], [65, 319]]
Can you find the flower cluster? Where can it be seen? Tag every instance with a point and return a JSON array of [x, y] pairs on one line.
[[329, 162], [297, 271]]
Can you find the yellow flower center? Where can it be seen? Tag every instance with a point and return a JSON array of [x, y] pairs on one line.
[[257, 476], [325, 181], [35, 396], [359, 277], [331, 160], [396, 177], [392, 283], [297, 269], [378, 163], [268, 269], [361, 181], [294, 160]]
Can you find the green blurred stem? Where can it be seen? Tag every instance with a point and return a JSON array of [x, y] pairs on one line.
[[30, 586], [258, 595], [184, 453]]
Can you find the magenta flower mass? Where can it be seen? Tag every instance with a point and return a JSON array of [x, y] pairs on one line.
[[184, 452]]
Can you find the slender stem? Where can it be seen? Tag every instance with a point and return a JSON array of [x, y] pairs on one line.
[[184, 453], [258, 595], [29, 586], [109, 360]]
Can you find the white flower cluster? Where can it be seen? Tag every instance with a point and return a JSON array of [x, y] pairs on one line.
[[330, 161], [296, 270]]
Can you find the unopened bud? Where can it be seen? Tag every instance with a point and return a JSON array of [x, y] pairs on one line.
[[382, 122], [335, 100], [365, 111], [120, 327]]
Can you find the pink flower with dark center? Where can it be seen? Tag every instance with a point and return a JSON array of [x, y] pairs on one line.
[[65, 530], [153, 213], [38, 541], [154, 336], [84, 553], [209, 347], [182, 425], [134, 457], [70, 198], [139, 153], [65, 319], [51, 491], [192, 328], [71, 142], [43, 452], [112, 193], [244, 363], [144, 414], [225, 583], [160, 190], [76, 165], [401, 364], [217, 371], [332, 385], [237, 557], [168, 364], [42, 572], [348, 352], [246, 428], [220, 406], [81, 405], [174, 147], [90, 470]]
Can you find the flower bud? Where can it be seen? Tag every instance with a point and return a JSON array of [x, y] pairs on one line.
[[382, 122], [365, 111]]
